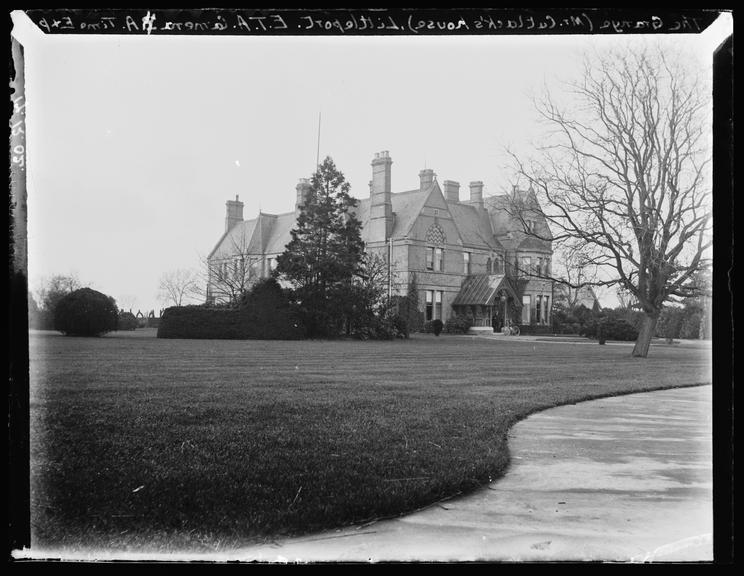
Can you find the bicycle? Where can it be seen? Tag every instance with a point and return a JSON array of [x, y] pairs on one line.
[[510, 330]]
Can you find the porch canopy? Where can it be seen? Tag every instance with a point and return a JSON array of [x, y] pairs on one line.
[[482, 290]]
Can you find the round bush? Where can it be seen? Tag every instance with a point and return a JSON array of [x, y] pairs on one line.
[[436, 326], [86, 312]]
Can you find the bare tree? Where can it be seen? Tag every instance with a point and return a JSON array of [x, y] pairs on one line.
[[52, 290], [575, 273], [231, 273], [625, 176], [178, 287]]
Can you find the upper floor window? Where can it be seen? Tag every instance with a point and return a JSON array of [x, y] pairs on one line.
[[526, 264], [466, 262], [435, 259], [488, 266], [530, 225], [438, 260]]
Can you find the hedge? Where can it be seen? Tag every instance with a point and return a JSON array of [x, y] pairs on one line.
[[226, 324], [264, 314]]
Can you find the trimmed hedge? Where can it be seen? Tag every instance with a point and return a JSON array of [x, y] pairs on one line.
[[264, 314], [224, 324]]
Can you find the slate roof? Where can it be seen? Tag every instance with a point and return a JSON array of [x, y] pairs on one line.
[[474, 226], [239, 236], [280, 233], [532, 243], [481, 289], [270, 233]]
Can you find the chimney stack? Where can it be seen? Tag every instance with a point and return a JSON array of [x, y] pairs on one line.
[[234, 213], [303, 189], [381, 206], [426, 178], [452, 191], [476, 193]]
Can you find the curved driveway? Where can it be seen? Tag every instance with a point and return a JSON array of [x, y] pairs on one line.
[[627, 478]]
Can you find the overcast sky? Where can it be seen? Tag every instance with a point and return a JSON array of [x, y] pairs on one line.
[[135, 143]]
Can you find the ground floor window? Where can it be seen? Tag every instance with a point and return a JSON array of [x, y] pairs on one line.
[[434, 304], [526, 308], [546, 310], [538, 308]]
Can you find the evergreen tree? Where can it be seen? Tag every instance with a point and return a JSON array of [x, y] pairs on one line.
[[413, 316], [325, 251]]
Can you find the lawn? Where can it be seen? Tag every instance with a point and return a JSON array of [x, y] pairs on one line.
[[165, 445]]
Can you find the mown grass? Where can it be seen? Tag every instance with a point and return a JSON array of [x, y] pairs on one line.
[[165, 445]]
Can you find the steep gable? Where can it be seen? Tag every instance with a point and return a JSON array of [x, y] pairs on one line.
[[237, 239], [280, 234], [474, 226]]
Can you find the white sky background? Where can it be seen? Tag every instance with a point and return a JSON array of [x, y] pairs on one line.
[[135, 143]]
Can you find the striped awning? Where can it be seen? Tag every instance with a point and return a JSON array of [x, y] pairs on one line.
[[482, 290]]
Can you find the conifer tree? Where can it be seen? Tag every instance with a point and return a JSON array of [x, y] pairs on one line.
[[325, 251]]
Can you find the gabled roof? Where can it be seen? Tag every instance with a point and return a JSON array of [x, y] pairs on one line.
[[270, 233], [474, 226], [481, 289], [407, 206], [280, 234], [237, 238]]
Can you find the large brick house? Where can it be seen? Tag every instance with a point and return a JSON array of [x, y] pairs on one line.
[[468, 256]]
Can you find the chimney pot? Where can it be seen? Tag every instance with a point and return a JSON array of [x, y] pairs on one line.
[[381, 207], [452, 191], [234, 213], [303, 187], [476, 193], [426, 178]]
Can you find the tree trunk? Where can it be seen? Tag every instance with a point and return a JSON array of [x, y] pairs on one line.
[[640, 350]]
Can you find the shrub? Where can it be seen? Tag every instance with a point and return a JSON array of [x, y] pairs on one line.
[[436, 326], [86, 312], [127, 321], [458, 325], [387, 327]]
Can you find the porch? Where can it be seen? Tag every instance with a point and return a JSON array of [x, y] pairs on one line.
[[489, 300]]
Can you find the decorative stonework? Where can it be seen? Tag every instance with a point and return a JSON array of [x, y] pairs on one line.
[[435, 235]]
